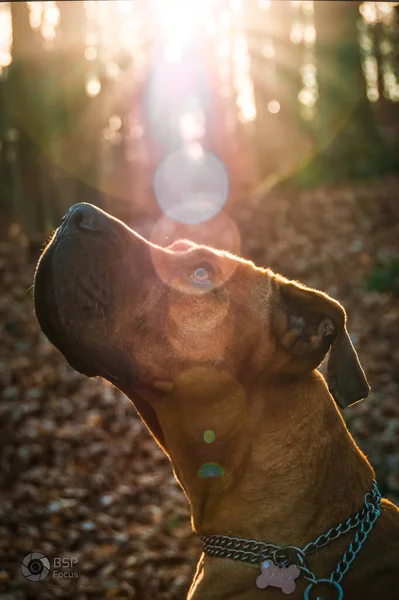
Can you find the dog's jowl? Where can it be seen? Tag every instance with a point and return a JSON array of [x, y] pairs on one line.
[[220, 359]]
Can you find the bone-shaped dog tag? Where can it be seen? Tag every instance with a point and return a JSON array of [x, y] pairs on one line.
[[282, 577]]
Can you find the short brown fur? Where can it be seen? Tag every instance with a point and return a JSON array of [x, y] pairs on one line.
[[238, 358]]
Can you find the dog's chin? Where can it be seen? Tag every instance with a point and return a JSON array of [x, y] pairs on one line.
[[47, 313]]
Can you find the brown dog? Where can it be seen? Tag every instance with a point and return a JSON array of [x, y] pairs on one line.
[[219, 358]]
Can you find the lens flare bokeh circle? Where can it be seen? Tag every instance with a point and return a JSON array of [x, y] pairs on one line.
[[210, 470], [209, 436], [191, 186]]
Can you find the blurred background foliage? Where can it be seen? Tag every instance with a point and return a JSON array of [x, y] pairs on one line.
[[94, 94]]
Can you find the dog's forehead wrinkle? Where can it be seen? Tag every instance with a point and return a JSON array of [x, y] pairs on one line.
[[185, 246], [181, 245], [192, 257]]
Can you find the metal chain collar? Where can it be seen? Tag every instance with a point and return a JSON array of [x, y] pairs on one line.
[[253, 552]]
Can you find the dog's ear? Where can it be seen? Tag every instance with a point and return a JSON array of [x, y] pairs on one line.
[[308, 323]]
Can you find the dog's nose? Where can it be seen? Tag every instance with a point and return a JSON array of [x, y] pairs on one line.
[[86, 217]]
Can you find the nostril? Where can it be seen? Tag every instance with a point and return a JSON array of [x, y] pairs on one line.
[[77, 218], [83, 217], [87, 218]]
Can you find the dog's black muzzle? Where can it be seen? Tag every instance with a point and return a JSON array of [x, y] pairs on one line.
[[81, 278]]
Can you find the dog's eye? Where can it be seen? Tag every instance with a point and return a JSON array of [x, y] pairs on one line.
[[202, 275]]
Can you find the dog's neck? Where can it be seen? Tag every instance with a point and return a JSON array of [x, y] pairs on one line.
[[283, 468]]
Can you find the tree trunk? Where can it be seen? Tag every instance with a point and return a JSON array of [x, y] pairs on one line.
[[72, 26], [348, 143], [24, 42], [73, 147], [24, 163], [274, 78]]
